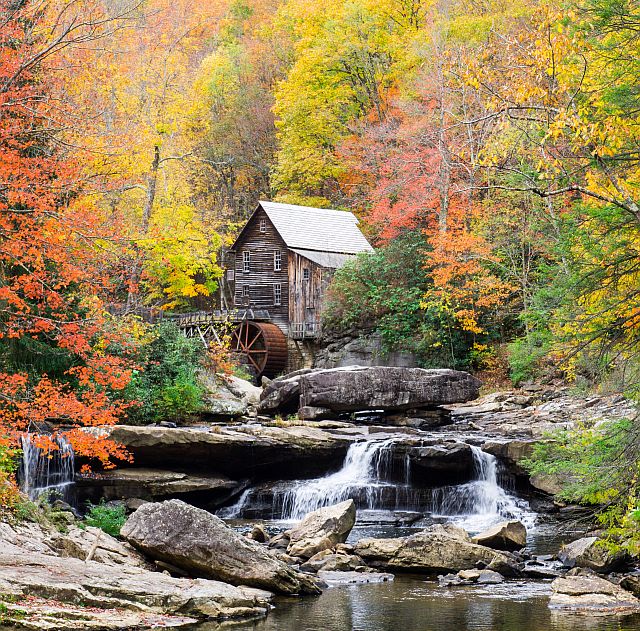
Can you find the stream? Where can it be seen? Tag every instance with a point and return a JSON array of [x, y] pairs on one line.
[[387, 503], [410, 604]]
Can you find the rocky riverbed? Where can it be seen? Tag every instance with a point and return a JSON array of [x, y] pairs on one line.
[[422, 483]]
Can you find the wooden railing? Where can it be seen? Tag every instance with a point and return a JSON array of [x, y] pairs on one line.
[[303, 330], [193, 318]]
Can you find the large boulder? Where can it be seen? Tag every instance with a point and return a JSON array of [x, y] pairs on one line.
[[321, 393], [384, 388], [590, 593], [507, 535], [322, 529], [589, 552], [434, 550], [223, 397], [282, 395], [203, 545]]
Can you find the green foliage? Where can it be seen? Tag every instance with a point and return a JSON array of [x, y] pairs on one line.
[[527, 354], [107, 517], [599, 467], [383, 290], [167, 387]]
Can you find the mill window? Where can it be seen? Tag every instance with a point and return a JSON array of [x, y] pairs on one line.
[[277, 261], [305, 273], [277, 294], [246, 261], [263, 225], [245, 291]]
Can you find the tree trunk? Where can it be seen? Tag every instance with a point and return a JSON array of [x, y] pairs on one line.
[[133, 296]]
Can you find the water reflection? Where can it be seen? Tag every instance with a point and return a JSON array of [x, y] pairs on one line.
[[414, 605]]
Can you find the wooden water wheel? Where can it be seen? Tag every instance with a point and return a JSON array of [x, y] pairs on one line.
[[263, 344]]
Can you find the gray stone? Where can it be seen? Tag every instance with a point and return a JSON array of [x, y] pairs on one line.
[[149, 484], [327, 560], [107, 586], [385, 388], [591, 594], [632, 584], [234, 452], [202, 544], [219, 399], [471, 577], [550, 483], [282, 394], [507, 535], [322, 529], [78, 543], [588, 552], [436, 549]]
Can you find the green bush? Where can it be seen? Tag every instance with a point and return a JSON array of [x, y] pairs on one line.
[[527, 354], [383, 291], [107, 517], [598, 467], [167, 386]]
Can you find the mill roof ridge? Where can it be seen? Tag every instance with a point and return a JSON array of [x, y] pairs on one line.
[[317, 229]]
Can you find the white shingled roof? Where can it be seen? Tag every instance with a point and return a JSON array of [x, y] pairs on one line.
[[318, 229]]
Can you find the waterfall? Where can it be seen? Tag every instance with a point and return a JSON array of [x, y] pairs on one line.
[[482, 502], [376, 480], [363, 477], [49, 471], [235, 511]]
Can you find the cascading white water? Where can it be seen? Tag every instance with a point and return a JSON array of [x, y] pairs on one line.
[[482, 502], [366, 476], [46, 470], [362, 475], [235, 511]]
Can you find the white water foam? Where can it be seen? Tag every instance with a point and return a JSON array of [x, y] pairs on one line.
[[361, 475], [481, 503], [365, 476]]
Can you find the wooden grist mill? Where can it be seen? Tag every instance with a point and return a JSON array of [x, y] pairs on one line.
[[281, 265]]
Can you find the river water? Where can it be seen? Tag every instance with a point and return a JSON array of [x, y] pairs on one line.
[[411, 604]]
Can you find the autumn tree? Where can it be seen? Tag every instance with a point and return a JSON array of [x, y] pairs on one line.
[[61, 359], [566, 131], [137, 96]]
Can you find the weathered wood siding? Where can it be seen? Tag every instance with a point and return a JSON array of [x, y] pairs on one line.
[[305, 296], [261, 276]]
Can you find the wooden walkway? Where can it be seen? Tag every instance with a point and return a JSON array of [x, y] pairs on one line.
[[208, 326]]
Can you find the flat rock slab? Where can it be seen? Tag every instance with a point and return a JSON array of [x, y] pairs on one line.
[[42, 615], [231, 452], [353, 578], [149, 484], [591, 594], [203, 545], [105, 586]]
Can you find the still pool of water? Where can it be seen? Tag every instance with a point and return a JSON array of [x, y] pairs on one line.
[[415, 605]]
